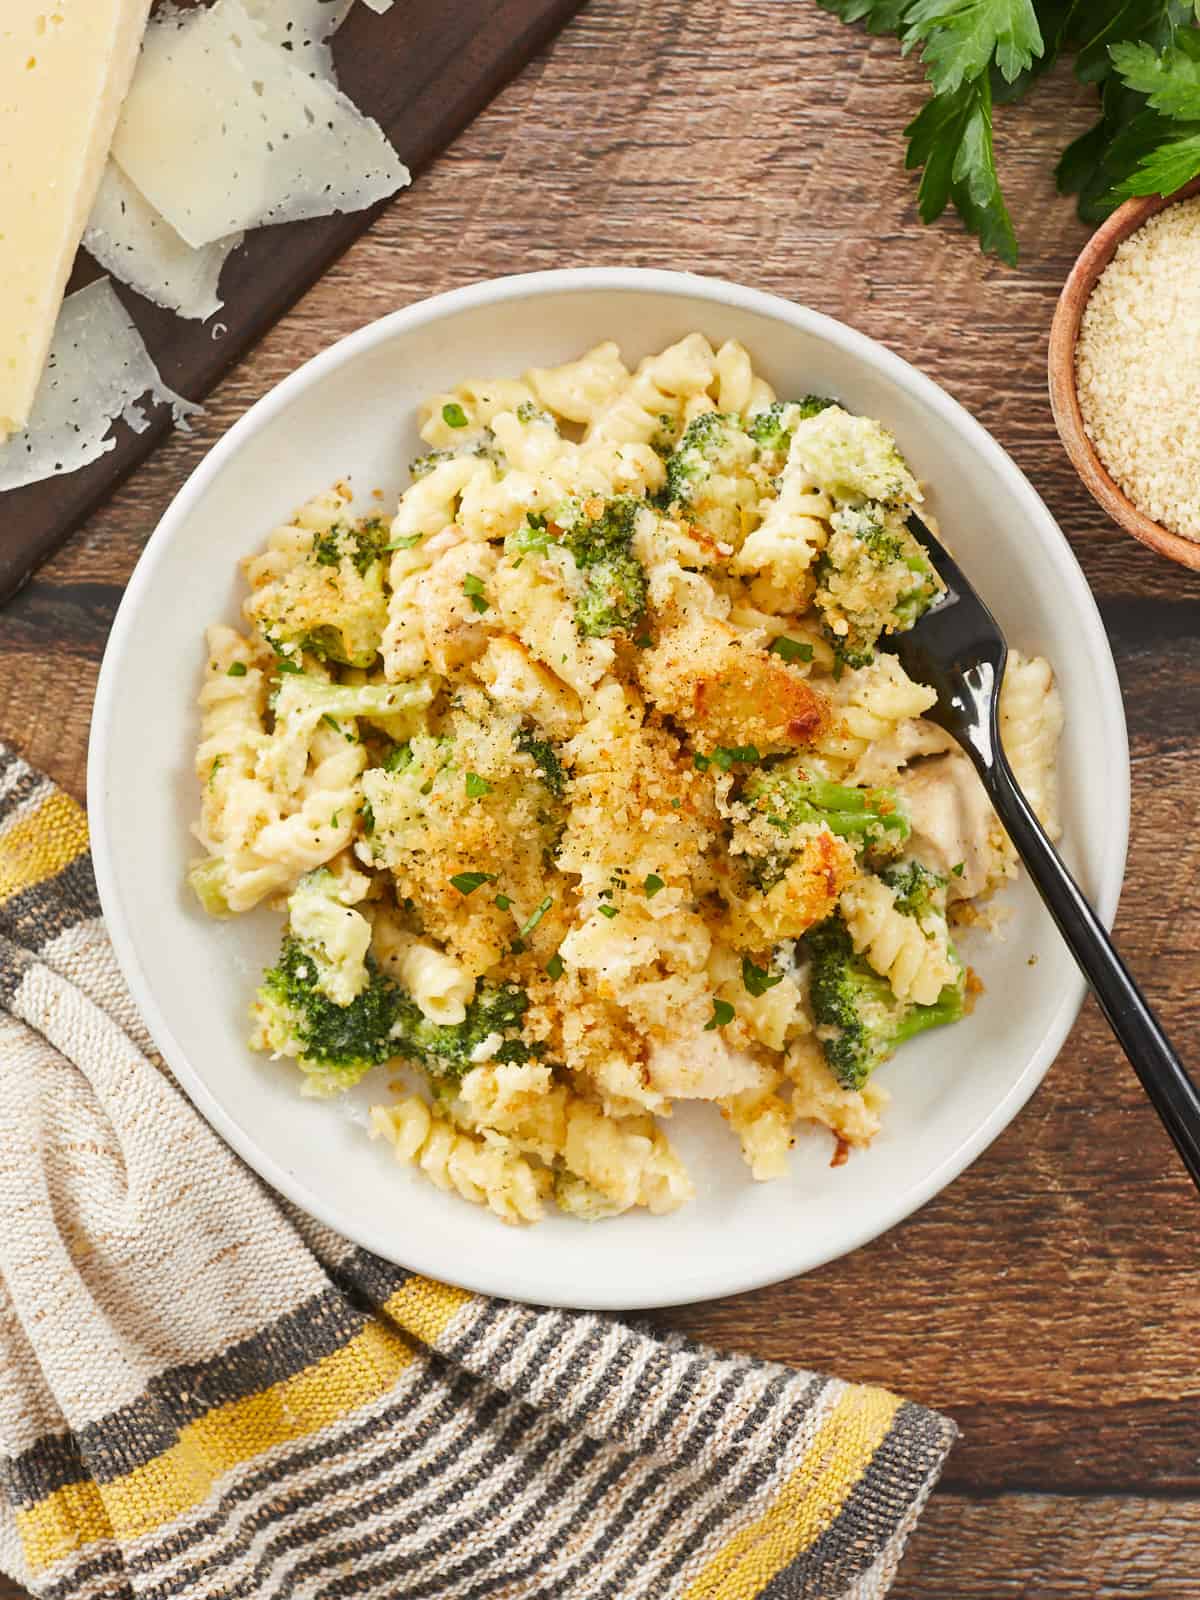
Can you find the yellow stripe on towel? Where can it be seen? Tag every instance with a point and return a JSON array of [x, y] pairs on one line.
[[834, 1462], [424, 1307], [126, 1508], [38, 846]]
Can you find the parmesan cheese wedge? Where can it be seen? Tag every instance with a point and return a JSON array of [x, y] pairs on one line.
[[128, 238], [98, 370], [221, 131], [64, 71]]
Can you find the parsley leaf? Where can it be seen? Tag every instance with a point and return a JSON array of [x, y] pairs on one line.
[[477, 787], [453, 415], [961, 38], [723, 1013], [1143, 56], [791, 649], [1170, 80], [951, 139], [468, 882], [880, 16], [757, 980]]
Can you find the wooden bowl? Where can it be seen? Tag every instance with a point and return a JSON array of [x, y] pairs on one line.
[[1064, 398]]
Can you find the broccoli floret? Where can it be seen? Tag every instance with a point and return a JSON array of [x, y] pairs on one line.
[[859, 1020], [399, 758], [362, 543], [712, 443], [599, 535], [866, 816], [854, 459], [331, 604], [614, 597], [209, 880], [303, 702], [332, 934], [918, 890], [549, 768], [446, 1050], [422, 466], [334, 1044], [872, 578], [772, 429]]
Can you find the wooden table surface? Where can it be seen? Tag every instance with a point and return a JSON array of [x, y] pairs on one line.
[[1049, 1299]]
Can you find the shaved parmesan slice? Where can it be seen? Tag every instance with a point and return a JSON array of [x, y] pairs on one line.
[[98, 370], [221, 132], [302, 27], [129, 238]]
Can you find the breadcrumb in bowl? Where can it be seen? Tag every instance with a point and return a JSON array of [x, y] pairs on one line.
[[1095, 257]]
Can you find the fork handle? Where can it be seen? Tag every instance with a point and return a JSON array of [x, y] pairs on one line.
[[1162, 1074]]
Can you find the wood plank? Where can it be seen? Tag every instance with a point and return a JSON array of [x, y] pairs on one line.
[[422, 71], [1048, 1300], [1051, 1547]]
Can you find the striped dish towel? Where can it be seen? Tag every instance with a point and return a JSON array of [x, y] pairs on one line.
[[204, 1393]]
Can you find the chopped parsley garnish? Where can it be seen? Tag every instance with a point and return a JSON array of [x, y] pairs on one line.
[[468, 882], [405, 542], [284, 664], [237, 669], [477, 786], [757, 980], [528, 927], [607, 911], [653, 884], [503, 902], [214, 769], [723, 1013], [331, 721], [453, 415], [792, 649], [724, 756], [959, 869], [554, 967], [367, 813], [473, 589]]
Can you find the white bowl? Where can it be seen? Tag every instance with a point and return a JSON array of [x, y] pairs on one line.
[[350, 413]]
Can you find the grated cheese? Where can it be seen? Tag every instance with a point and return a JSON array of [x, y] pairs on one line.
[[98, 370], [285, 145], [1137, 365], [130, 239], [302, 27]]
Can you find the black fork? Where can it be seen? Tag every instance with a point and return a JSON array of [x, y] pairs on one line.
[[957, 648]]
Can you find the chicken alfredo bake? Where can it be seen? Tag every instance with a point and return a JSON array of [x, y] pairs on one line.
[[588, 785]]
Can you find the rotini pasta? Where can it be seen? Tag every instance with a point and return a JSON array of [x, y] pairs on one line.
[[1031, 721], [589, 787]]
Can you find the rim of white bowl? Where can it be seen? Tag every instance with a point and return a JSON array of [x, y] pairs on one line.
[[505, 1282]]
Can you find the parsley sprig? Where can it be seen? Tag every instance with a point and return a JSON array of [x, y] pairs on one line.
[[1143, 56]]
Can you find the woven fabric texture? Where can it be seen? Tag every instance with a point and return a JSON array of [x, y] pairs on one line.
[[204, 1393]]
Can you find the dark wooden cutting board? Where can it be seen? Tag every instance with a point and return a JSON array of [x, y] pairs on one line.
[[422, 70]]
